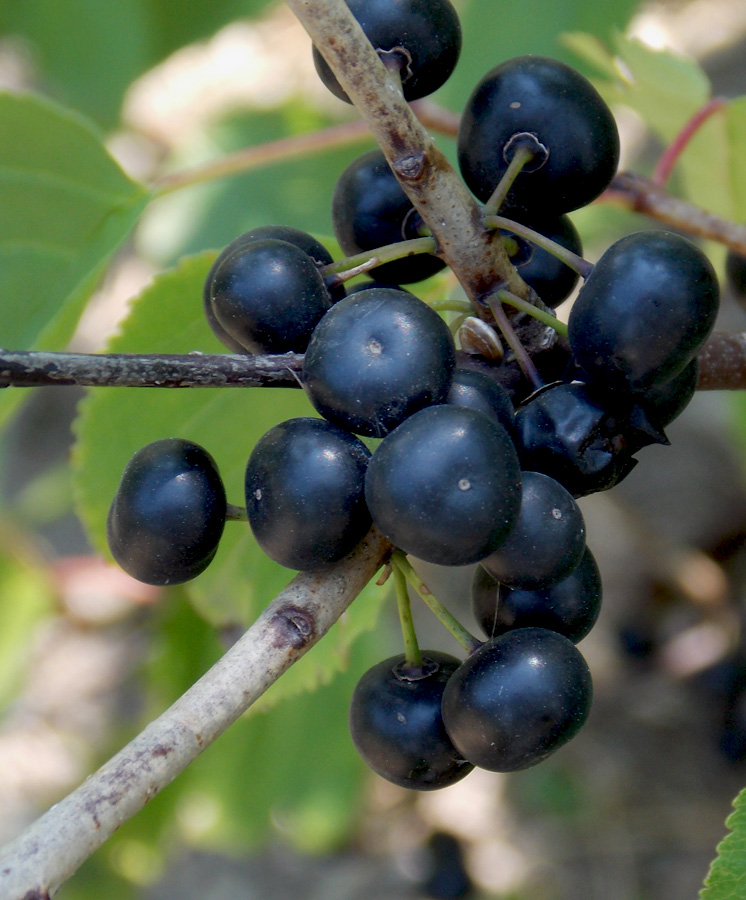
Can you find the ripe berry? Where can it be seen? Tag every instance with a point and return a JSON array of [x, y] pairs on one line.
[[168, 513], [445, 485], [375, 358], [422, 36], [396, 723], [561, 109], [305, 493], [517, 699], [547, 540], [370, 210], [301, 239], [268, 295], [569, 607], [476, 390], [644, 311]]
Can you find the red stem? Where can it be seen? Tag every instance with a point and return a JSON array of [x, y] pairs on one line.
[[672, 153]]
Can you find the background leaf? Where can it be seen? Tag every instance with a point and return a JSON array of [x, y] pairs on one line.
[[89, 52], [727, 877], [65, 206]]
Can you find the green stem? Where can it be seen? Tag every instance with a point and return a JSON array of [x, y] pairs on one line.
[[511, 339], [347, 268], [411, 647], [522, 156], [402, 565], [236, 513], [570, 259], [544, 317], [451, 304]]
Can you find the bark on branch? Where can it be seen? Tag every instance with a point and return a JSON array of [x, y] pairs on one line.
[[37, 863]]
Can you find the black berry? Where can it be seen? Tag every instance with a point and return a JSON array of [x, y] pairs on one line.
[[396, 723], [375, 358], [370, 210], [517, 699], [167, 516], [421, 37], [559, 108], [445, 485], [305, 493]]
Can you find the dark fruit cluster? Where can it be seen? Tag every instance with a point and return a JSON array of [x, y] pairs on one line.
[[456, 475]]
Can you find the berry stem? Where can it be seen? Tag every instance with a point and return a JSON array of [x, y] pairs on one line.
[[531, 310], [672, 153], [347, 268], [522, 156], [451, 304], [235, 513], [411, 647], [570, 259], [511, 339], [467, 640]]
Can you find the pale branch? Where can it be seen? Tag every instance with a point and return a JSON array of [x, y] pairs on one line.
[[42, 368], [34, 865], [473, 252]]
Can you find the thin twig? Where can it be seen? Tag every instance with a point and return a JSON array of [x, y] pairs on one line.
[[41, 368]]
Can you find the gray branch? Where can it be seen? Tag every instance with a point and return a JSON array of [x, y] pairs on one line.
[[39, 368], [36, 864]]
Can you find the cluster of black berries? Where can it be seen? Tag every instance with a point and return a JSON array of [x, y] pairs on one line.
[[458, 476]]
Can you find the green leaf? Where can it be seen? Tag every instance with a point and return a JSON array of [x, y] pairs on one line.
[[65, 206], [727, 877], [493, 33], [115, 422], [89, 52]]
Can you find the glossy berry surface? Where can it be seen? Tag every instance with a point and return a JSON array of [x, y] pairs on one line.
[[666, 401], [268, 295], [644, 311], [301, 239], [370, 210], [445, 485], [396, 723], [563, 111], [375, 358], [547, 540], [552, 280], [422, 36], [517, 699], [305, 493], [570, 607], [167, 516], [476, 390]]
